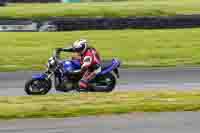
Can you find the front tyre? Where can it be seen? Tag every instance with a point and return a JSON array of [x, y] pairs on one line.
[[37, 86]]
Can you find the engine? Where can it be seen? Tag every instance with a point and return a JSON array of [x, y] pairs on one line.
[[66, 84]]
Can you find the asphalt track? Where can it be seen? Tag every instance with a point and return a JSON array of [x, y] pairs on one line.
[[12, 83], [179, 122], [131, 79]]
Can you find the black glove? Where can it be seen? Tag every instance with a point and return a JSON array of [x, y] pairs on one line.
[[58, 50]]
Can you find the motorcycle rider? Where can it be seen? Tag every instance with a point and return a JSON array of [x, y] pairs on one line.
[[90, 61]]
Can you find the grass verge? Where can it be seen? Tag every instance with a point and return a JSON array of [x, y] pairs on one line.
[[102, 9], [73, 105], [135, 48]]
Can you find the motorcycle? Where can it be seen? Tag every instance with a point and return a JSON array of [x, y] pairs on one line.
[[66, 75]]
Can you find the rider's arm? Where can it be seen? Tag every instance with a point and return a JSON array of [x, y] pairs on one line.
[[64, 50], [67, 49], [58, 50]]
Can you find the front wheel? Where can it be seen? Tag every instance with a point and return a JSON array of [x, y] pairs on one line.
[[37, 86], [105, 83]]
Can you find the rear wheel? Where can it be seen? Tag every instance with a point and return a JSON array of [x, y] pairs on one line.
[[105, 83], [37, 87]]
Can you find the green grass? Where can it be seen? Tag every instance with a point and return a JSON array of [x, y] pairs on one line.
[[135, 48], [71, 105], [102, 9]]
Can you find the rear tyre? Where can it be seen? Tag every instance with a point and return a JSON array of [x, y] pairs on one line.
[[105, 83], [37, 87]]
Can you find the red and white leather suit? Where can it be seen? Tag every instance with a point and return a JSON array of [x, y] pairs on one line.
[[91, 65]]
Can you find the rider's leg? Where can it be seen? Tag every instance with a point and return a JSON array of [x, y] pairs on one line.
[[83, 83], [88, 76]]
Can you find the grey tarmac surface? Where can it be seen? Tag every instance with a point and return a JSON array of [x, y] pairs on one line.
[[179, 122], [12, 83], [131, 79]]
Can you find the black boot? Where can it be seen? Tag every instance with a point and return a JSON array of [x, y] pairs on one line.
[[82, 90]]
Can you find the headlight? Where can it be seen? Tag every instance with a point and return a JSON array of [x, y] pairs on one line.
[[51, 62]]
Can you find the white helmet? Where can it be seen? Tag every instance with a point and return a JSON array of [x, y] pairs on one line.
[[80, 46]]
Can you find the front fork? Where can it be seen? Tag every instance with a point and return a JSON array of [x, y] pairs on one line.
[[116, 71], [49, 75]]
